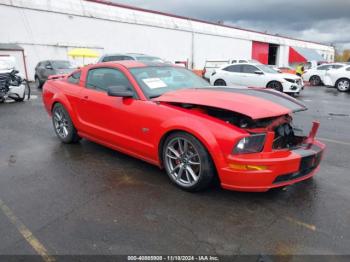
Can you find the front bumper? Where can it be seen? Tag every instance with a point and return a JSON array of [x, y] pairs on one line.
[[283, 168], [289, 87], [273, 168]]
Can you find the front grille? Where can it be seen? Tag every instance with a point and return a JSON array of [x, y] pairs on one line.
[[307, 165]]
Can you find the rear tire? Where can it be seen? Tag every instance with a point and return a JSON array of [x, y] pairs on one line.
[[219, 82], [38, 83], [63, 125], [315, 81], [187, 162], [275, 85], [343, 85]]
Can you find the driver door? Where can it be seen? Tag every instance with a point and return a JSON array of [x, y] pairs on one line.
[[110, 119], [251, 77]]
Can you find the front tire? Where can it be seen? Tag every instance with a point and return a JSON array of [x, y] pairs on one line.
[[187, 162], [38, 83], [315, 81], [63, 125], [220, 82], [275, 85], [343, 85]]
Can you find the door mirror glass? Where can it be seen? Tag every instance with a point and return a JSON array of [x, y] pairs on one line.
[[120, 91]]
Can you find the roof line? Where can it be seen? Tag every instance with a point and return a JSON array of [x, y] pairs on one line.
[[106, 2]]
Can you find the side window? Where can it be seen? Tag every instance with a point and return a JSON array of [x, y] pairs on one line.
[[337, 66], [233, 68], [116, 58], [348, 69], [74, 78], [234, 61], [102, 78], [323, 67], [249, 69]]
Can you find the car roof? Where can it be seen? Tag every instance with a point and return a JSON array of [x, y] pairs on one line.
[[126, 54], [244, 63], [135, 63]]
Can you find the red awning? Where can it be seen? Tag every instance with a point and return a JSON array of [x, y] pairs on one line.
[[300, 54], [295, 57]]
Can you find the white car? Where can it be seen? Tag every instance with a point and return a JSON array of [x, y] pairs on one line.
[[256, 75], [340, 78], [316, 75], [211, 65]]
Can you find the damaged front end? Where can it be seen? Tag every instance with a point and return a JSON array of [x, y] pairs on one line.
[[266, 134]]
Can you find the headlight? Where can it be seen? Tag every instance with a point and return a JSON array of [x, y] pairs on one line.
[[290, 80], [250, 144]]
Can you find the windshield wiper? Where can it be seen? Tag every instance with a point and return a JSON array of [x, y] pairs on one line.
[[155, 96]]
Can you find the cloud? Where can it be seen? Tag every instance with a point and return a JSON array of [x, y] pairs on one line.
[[315, 20]]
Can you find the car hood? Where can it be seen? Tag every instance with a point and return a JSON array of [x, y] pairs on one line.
[[252, 102], [288, 75], [64, 71]]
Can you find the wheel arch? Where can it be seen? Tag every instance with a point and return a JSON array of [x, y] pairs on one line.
[[341, 78], [271, 81], [68, 108], [214, 156], [219, 79]]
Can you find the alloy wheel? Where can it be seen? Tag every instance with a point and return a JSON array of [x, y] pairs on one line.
[[343, 85], [61, 123], [183, 162]]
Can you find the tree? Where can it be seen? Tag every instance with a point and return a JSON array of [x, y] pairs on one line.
[[343, 57]]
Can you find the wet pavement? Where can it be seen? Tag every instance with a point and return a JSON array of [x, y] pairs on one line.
[[87, 199]]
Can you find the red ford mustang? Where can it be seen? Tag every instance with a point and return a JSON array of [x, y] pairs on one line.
[[170, 117]]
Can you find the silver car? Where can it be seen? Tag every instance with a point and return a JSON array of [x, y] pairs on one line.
[[129, 56]]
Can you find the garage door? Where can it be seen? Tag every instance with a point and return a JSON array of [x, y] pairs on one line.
[[260, 52]]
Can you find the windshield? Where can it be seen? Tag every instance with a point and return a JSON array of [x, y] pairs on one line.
[[149, 58], [157, 80], [63, 64], [266, 69]]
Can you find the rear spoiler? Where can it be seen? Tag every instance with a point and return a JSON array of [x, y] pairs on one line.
[[54, 77]]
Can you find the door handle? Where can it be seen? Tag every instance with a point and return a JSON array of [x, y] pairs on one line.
[[86, 97]]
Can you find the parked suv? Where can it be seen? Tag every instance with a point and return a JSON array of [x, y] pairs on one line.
[[44, 69], [129, 56]]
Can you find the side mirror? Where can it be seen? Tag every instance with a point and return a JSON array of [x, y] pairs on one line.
[[49, 67], [258, 72], [120, 91]]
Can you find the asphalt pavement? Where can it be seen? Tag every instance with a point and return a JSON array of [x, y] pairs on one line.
[[88, 199]]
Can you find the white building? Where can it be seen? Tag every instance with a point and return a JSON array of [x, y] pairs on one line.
[[47, 29]]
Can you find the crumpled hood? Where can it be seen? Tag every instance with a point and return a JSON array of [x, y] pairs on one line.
[[252, 102]]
